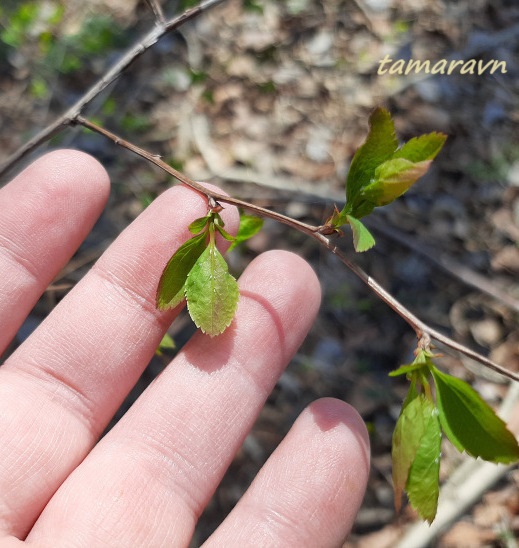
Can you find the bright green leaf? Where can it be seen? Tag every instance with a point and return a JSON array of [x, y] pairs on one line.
[[423, 359], [225, 234], [362, 237], [407, 436], [198, 224], [424, 147], [379, 146], [170, 291], [392, 179], [211, 292], [249, 226], [470, 423], [423, 482], [380, 172]]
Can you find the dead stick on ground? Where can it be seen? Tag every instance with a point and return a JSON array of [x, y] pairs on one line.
[[157, 11], [110, 76]]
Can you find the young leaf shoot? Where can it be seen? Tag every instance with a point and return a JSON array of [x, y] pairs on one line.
[[423, 483], [198, 273], [468, 421], [381, 171]]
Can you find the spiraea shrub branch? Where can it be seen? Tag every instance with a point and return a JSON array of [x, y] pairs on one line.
[[382, 170]]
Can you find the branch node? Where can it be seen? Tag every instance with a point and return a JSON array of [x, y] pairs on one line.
[[214, 205], [329, 230], [424, 340]]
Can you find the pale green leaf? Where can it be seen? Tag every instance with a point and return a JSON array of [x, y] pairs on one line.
[[423, 482], [362, 237], [170, 291], [407, 436], [392, 179], [380, 172], [211, 292], [470, 423], [424, 147]]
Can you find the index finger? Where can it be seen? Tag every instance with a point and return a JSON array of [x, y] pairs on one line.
[[47, 211]]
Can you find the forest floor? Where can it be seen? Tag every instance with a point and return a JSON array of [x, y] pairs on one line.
[[270, 100]]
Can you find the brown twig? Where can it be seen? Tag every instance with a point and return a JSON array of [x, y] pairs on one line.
[[154, 159], [200, 128], [423, 331], [108, 78]]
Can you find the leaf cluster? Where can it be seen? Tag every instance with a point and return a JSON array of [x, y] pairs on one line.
[[198, 273], [458, 411], [436, 403], [380, 172]]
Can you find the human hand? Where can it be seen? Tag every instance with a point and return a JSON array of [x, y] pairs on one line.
[[148, 480]]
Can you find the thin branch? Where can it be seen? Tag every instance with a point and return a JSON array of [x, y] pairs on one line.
[[422, 330], [201, 137], [157, 11], [449, 265], [108, 78], [320, 233], [154, 159]]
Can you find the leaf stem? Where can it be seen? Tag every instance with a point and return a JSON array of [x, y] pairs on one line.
[[211, 234], [320, 233]]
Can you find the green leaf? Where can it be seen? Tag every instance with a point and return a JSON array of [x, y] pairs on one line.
[[380, 172], [362, 237], [211, 292], [198, 224], [224, 233], [470, 423], [249, 226], [423, 482], [170, 291], [412, 393], [392, 179], [423, 359], [379, 146], [422, 148], [407, 436]]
